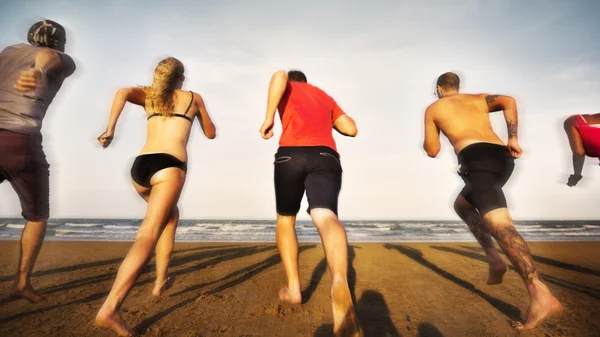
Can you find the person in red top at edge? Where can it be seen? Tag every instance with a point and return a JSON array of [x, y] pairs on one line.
[[307, 159], [584, 137]]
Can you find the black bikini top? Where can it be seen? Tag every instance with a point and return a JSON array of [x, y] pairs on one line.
[[175, 115]]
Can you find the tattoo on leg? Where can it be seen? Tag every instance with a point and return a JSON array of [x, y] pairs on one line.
[[517, 252], [475, 223]]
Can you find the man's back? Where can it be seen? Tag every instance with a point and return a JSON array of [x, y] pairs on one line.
[[24, 112], [464, 119], [307, 116]]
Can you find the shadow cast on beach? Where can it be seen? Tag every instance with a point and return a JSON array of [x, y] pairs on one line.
[[233, 279], [551, 262], [589, 291], [507, 309], [218, 256], [93, 264], [375, 319], [321, 268]]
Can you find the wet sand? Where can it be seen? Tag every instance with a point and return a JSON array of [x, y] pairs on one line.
[[230, 289]]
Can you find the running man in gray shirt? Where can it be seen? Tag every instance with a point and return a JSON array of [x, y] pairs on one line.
[[31, 75]]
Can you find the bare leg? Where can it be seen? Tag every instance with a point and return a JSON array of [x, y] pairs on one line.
[[288, 250], [163, 197], [469, 214], [333, 236], [31, 242], [543, 304], [164, 252]]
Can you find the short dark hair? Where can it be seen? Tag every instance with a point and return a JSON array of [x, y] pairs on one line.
[[296, 76], [449, 81]]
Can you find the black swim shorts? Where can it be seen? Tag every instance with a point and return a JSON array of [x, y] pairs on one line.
[[485, 168], [314, 169]]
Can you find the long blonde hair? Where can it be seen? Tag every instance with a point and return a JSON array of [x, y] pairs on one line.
[[160, 95]]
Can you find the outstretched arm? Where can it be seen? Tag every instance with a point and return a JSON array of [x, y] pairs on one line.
[[206, 123], [133, 95], [276, 90], [432, 143], [576, 144]]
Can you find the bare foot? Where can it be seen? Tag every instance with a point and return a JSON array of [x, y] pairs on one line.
[[160, 288], [287, 296], [345, 323], [541, 309], [497, 272], [113, 321], [27, 293]]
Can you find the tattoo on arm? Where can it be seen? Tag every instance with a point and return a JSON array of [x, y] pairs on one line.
[[475, 223], [517, 252], [512, 128], [491, 99]]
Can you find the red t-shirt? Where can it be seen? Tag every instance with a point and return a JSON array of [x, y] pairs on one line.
[[307, 115]]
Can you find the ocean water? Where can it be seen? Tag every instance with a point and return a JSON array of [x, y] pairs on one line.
[[264, 230]]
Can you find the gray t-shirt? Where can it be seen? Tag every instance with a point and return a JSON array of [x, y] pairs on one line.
[[24, 112]]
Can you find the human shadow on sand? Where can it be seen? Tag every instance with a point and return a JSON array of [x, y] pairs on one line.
[[375, 319], [219, 256], [93, 264], [507, 309], [552, 262], [321, 268], [592, 292], [233, 279]]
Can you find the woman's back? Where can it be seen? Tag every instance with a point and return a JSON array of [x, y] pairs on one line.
[[170, 132]]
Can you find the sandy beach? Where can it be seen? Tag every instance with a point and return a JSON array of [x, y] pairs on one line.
[[230, 289]]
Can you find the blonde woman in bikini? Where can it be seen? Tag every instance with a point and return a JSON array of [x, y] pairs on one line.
[[158, 175]]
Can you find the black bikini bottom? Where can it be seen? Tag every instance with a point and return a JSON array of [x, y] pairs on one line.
[[146, 165]]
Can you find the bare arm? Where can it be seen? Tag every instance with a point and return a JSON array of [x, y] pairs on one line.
[[206, 123], [45, 60], [133, 95], [345, 125], [277, 88], [432, 143], [276, 91], [509, 106]]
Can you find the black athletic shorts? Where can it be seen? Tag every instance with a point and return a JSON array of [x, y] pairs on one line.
[[485, 168], [314, 169]]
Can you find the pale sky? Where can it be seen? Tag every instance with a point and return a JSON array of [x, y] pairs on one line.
[[378, 59]]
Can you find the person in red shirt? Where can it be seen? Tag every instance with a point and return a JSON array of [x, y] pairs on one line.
[[584, 137], [307, 160]]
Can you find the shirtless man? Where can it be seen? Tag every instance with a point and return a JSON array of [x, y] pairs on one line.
[[32, 74], [307, 160], [584, 137], [485, 164]]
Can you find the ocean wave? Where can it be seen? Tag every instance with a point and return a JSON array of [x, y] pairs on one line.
[[76, 231], [575, 234], [70, 224], [16, 226], [120, 227]]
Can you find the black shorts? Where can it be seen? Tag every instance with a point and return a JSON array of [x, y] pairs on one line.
[[316, 169], [485, 168], [24, 165]]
